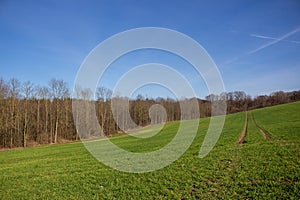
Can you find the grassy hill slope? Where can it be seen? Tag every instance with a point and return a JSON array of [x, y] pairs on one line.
[[258, 168]]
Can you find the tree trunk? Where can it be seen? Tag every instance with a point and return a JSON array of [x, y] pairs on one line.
[[56, 129]]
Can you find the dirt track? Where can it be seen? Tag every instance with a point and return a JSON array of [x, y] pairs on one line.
[[244, 132], [243, 135], [261, 130]]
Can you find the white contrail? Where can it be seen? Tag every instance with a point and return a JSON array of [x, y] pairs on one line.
[[275, 41], [273, 38]]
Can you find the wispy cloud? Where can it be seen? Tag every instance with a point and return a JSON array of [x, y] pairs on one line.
[[275, 40]]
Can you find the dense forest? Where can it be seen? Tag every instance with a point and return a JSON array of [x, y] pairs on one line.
[[33, 115]]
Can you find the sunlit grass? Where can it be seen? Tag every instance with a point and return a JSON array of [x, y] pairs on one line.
[[259, 168]]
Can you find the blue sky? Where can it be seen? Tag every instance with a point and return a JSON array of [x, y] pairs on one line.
[[255, 44]]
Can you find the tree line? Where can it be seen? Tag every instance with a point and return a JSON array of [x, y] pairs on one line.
[[33, 114]]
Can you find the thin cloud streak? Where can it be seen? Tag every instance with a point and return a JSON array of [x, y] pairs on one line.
[[275, 41], [272, 38]]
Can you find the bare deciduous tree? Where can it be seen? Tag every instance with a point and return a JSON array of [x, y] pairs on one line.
[[41, 114]]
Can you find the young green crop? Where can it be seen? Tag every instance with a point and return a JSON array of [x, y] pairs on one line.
[[257, 169]]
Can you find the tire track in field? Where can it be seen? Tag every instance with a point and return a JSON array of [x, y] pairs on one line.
[[261, 130], [244, 133]]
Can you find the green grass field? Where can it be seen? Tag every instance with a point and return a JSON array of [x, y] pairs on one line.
[[257, 169]]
